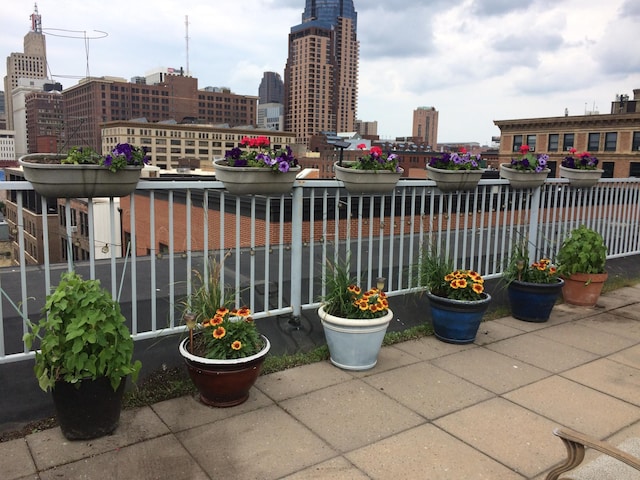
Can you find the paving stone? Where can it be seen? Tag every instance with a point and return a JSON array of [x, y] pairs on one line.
[[16, 460], [584, 337], [337, 468]]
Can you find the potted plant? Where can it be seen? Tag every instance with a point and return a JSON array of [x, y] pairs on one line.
[[375, 172], [85, 354], [532, 288], [528, 171], [83, 172], [257, 170], [455, 171], [354, 320], [224, 351], [457, 298], [581, 263], [582, 171]]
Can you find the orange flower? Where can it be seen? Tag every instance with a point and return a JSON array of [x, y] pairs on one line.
[[448, 277], [219, 332], [217, 320], [237, 345], [243, 312], [478, 288], [206, 323], [222, 311], [354, 289]]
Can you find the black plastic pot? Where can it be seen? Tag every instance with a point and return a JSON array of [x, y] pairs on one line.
[[90, 410]]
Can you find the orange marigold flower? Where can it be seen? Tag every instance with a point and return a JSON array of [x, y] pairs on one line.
[[219, 332], [243, 312], [478, 288], [448, 277], [552, 270], [354, 289], [384, 302], [364, 306], [237, 345], [374, 307], [222, 311], [462, 283], [205, 324], [454, 284], [217, 320]]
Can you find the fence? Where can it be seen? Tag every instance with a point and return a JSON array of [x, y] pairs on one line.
[[274, 250]]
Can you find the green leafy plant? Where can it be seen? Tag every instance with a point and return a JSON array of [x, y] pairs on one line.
[[83, 335], [583, 251], [123, 155], [528, 162], [519, 268], [344, 298], [218, 331]]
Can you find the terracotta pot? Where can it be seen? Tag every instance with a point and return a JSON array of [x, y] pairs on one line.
[[224, 383], [253, 180], [521, 179], [366, 181], [454, 180], [583, 289]]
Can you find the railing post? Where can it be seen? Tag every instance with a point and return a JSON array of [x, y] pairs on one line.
[[534, 218], [296, 252]]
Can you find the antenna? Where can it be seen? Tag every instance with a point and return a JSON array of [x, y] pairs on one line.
[[186, 38]]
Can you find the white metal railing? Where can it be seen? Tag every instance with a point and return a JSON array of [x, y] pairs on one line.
[[275, 249]]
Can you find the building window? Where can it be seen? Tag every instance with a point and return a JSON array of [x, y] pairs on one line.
[[554, 140], [517, 142], [635, 146], [567, 141], [610, 141], [594, 142], [531, 142]]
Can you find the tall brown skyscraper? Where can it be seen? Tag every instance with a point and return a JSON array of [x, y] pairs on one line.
[[32, 63], [425, 126], [321, 75]]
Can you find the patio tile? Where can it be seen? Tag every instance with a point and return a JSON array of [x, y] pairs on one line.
[[432, 392], [573, 405], [300, 380], [389, 358], [188, 412], [613, 378], [616, 322], [51, 448], [162, 457], [508, 433], [265, 444], [493, 331], [351, 414], [630, 357], [430, 453], [430, 347], [491, 370], [16, 460], [335, 469], [584, 337], [543, 353]]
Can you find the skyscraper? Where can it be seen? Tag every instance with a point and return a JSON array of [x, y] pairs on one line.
[[271, 88], [425, 126], [32, 63], [321, 75]]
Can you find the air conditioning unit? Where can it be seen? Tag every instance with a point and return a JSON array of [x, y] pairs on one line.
[[74, 229]]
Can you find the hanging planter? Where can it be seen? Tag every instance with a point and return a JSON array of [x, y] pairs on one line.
[[519, 179], [254, 180], [454, 180], [457, 321], [358, 181], [581, 178], [52, 179]]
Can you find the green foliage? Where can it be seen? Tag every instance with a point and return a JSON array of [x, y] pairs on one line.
[[82, 155], [82, 336], [519, 268], [583, 251], [344, 298], [221, 332], [432, 270]]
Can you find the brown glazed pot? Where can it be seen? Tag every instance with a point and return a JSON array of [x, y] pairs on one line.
[[583, 289], [224, 383]]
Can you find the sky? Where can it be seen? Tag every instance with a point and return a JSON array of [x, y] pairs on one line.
[[475, 61]]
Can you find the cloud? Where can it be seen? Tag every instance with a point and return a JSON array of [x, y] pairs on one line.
[[499, 7]]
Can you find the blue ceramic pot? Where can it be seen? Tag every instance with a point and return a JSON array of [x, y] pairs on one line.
[[457, 321], [533, 302]]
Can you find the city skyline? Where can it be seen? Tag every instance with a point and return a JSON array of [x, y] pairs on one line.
[[474, 61]]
